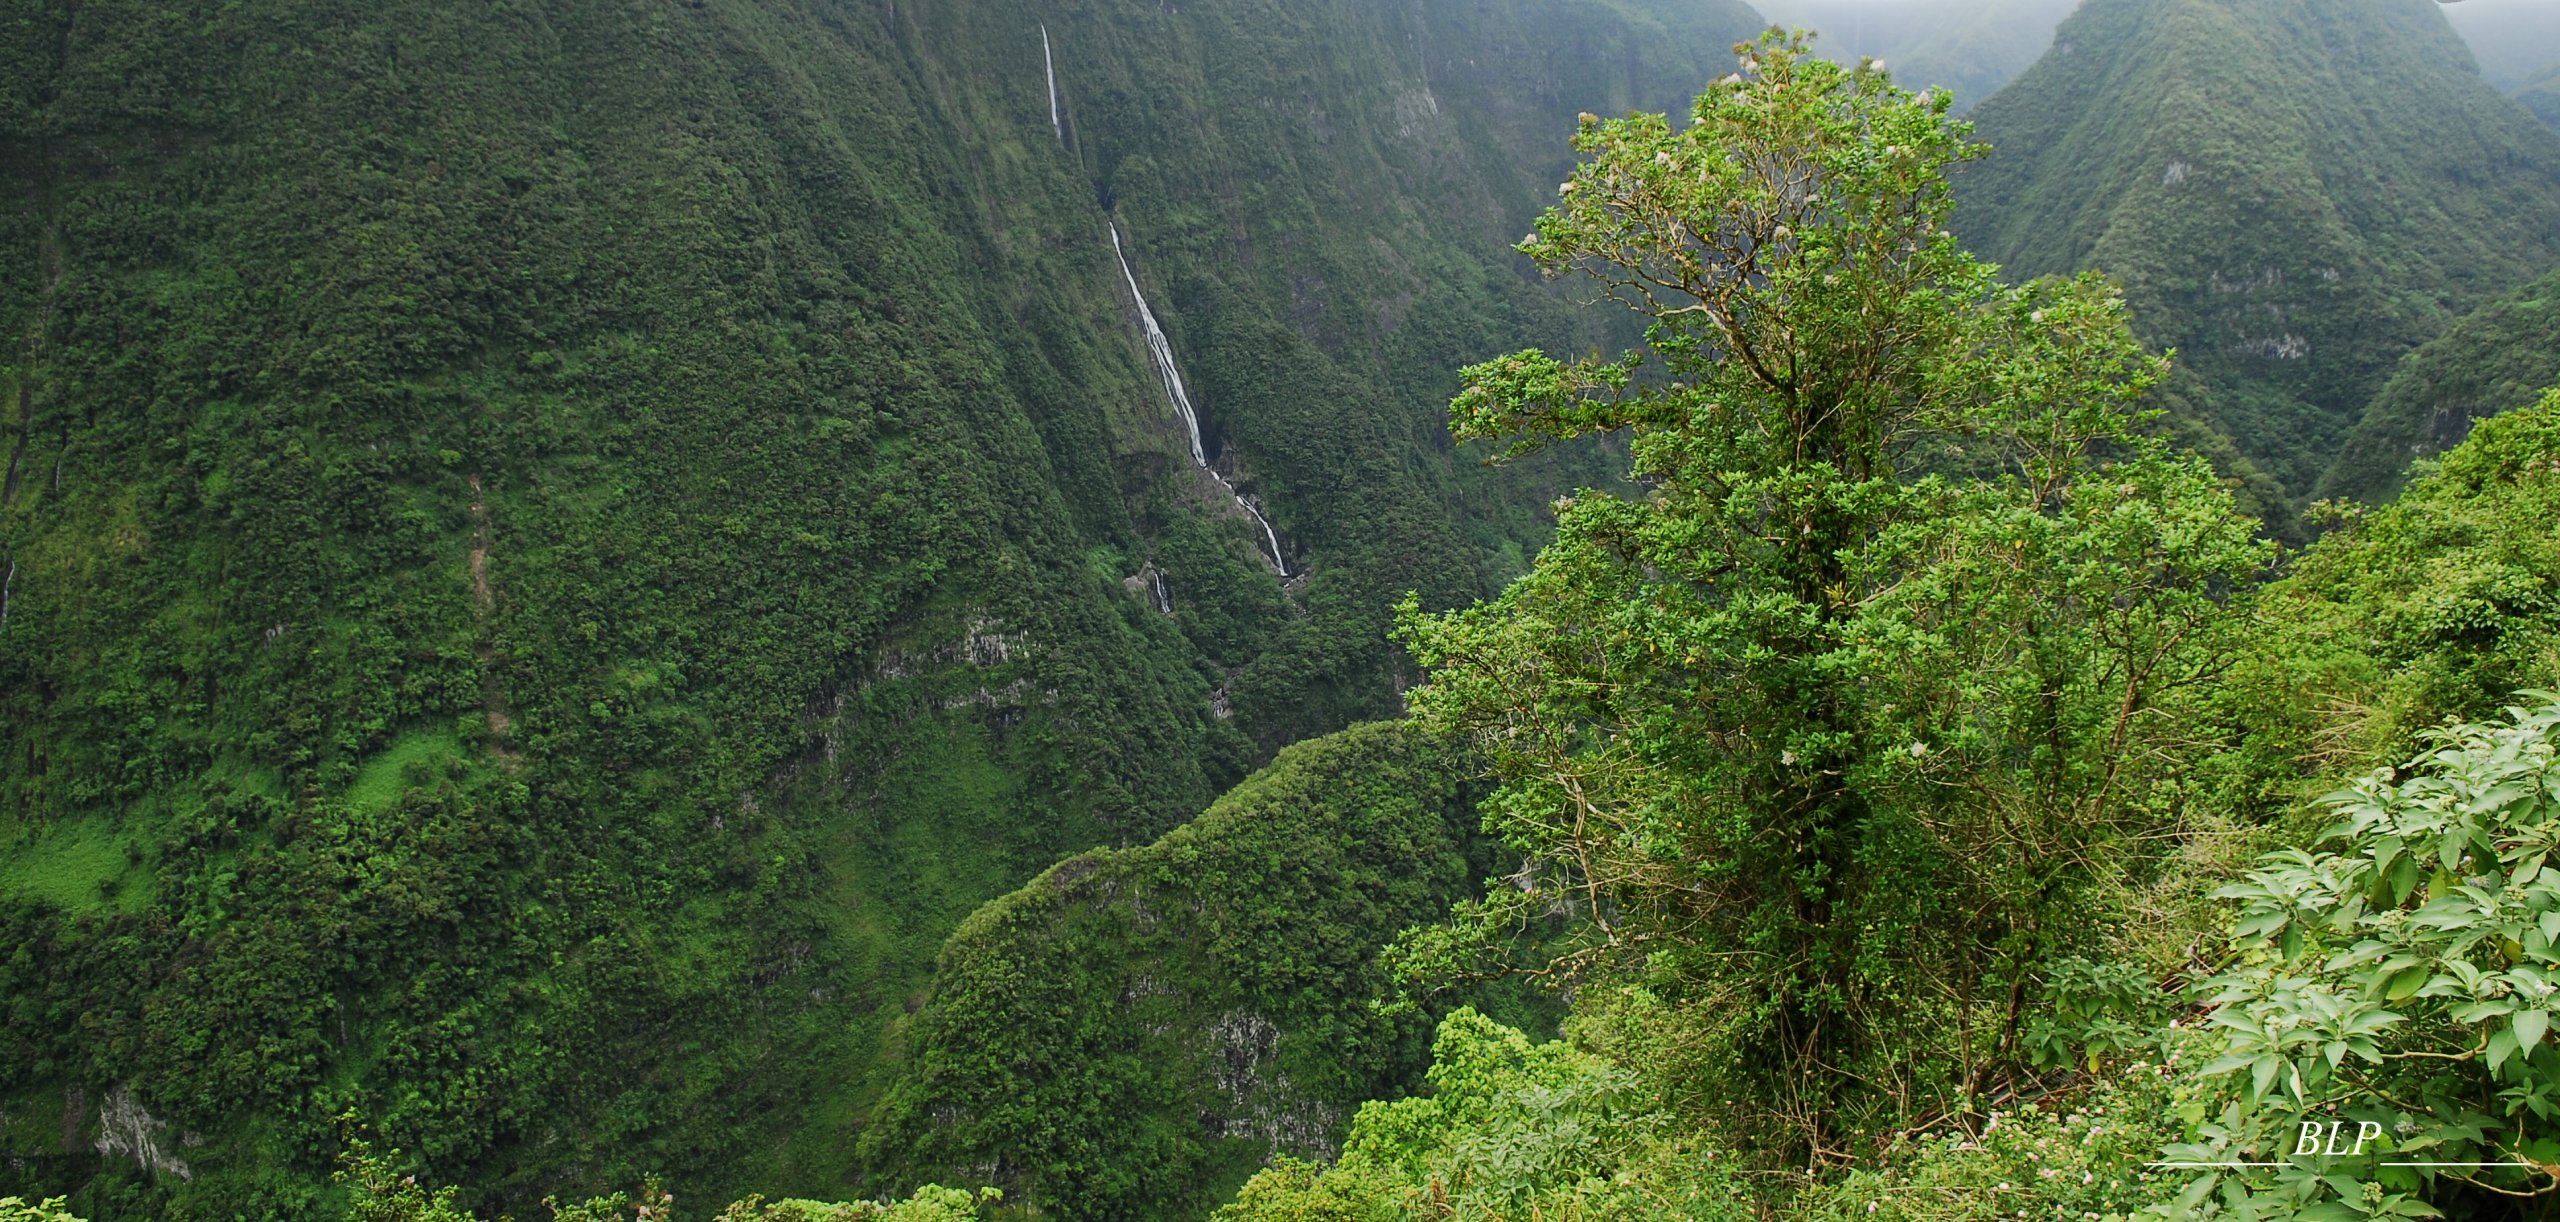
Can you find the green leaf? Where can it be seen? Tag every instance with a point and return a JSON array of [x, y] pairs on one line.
[[2529, 1026], [2502, 1044]]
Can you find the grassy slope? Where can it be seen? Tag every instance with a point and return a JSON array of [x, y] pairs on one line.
[[2294, 195], [557, 552], [2495, 359]]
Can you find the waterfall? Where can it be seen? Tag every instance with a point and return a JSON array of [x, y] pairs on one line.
[[1160, 351], [1049, 62], [5, 583]]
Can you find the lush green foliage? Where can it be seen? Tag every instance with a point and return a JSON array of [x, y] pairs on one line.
[[1509, 1131], [2083, 1154], [1133, 1032], [2376, 632], [552, 553], [378, 1191], [2400, 979], [2438, 606], [2497, 358], [1832, 733], [2294, 194], [12, 1209]]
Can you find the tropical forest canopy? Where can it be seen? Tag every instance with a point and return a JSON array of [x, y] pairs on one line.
[[801, 610]]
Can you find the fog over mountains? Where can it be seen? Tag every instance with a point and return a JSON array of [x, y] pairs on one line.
[[1975, 46], [2517, 40]]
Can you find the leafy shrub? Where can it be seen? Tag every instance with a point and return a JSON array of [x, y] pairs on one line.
[[931, 1203], [14, 1209], [2400, 980], [2083, 1158], [379, 1191], [1510, 1130]]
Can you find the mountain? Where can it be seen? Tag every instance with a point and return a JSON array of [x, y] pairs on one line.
[[2500, 357], [1134, 1032], [1971, 47], [554, 553], [2541, 95], [2512, 38], [2294, 194]]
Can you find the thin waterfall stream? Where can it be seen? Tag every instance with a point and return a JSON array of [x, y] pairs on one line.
[[1050, 63], [1160, 351]]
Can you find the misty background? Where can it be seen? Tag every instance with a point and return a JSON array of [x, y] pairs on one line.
[[1975, 46]]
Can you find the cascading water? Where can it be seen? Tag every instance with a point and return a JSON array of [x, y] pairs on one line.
[[1051, 64], [1160, 351]]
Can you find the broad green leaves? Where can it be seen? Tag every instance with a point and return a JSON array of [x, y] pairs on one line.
[[2404, 975]]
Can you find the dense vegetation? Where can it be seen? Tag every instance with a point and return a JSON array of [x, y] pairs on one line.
[[552, 556], [1134, 1032], [2294, 194], [1898, 800], [1831, 749], [554, 552], [2495, 359]]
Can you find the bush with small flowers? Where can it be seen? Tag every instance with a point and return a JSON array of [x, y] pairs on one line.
[[2081, 1156]]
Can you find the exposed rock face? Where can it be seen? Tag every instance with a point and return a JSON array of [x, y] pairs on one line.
[[1264, 1106], [125, 1130]]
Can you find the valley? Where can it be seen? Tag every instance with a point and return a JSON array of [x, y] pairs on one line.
[[838, 599]]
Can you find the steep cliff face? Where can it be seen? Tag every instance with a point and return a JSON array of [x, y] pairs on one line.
[[553, 552], [2295, 194]]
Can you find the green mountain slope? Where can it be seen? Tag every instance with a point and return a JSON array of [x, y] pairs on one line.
[[2498, 358], [2294, 194], [2541, 95], [554, 553], [1133, 1033]]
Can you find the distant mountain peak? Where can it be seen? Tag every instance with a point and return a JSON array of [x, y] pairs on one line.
[[2295, 193]]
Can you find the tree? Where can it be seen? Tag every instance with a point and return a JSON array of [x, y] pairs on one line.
[[1830, 732]]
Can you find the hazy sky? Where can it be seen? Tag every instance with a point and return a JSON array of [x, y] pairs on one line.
[[2513, 39]]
